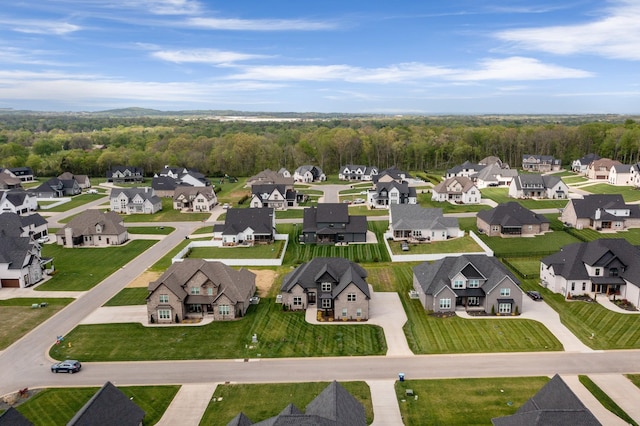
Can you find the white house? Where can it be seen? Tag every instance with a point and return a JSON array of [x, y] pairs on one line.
[[620, 175], [308, 174], [135, 200], [357, 172], [274, 196], [388, 193], [18, 201], [635, 175], [456, 190], [538, 186], [194, 198]]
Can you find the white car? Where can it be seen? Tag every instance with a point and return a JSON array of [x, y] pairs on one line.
[[92, 191], [226, 206], [44, 239]]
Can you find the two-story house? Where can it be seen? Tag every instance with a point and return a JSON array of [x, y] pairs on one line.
[[335, 286], [494, 175], [601, 212], [456, 190], [620, 175], [93, 228], [540, 163], [56, 188], [391, 174], [466, 169], [635, 175], [21, 263], [273, 196], [581, 164], [18, 201], [357, 172], [25, 174], [538, 186], [194, 198], [599, 169], [308, 174], [603, 266], [387, 193], [33, 226], [268, 176], [477, 282], [185, 176], [330, 223], [135, 201], [125, 174]]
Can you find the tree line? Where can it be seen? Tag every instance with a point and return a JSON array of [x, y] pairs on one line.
[[51, 145]]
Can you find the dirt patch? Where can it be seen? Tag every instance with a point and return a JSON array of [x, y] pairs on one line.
[[144, 279], [264, 280]]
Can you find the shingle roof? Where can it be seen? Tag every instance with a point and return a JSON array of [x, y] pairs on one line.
[[109, 406], [465, 166], [240, 420], [403, 188], [13, 417], [163, 183], [586, 207], [14, 250], [336, 213], [270, 176], [343, 272], [465, 182], [511, 214], [337, 404], [528, 181], [131, 193], [85, 223], [412, 216], [258, 219]]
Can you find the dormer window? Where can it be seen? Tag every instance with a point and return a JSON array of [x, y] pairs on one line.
[[473, 283], [326, 287], [458, 284]]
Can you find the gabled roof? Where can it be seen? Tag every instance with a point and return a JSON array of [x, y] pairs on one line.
[[467, 165], [410, 217], [134, 170], [314, 170], [270, 176], [85, 223], [332, 213], [587, 206], [587, 159], [258, 219], [13, 417], [240, 420], [163, 183], [621, 168], [268, 188], [490, 173], [146, 194], [541, 158], [17, 225], [393, 172], [205, 191], [433, 277], [16, 197], [109, 406], [511, 214], [21, 171], [606, 163], [528, 181], [465, 182], [555, 404], [342, 271], [14, 250], [403, 188]]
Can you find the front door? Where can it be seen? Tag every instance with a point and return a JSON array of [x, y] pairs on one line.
[[312, 298]]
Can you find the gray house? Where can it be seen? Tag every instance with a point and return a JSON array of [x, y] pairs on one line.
[[474, 282], [125, 174], [93, 228], [538, 186], [330, 223], [336, 286], [601, 212], [414, 223], [334, 406], [247, 227], [109, 406], [511, 220]]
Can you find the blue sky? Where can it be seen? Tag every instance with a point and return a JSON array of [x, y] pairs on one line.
[[373, 56]]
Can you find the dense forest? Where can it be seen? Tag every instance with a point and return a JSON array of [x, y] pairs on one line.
[[91, 144]]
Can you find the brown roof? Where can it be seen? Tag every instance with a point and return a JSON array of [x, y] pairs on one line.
[[85, 223], [603, 162], [466, 183], [207, 191]]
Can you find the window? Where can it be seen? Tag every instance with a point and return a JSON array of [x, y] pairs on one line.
[[164, 298], [584, 286], [613, 272], [505, 292], [326, 303], [210, 291], [164, 314], [359, 313], [473, 283], [344, 312], [504, 308], [473, 301], [326, 287], [573, 286], [445, 303], [297, 301], [597, 271], [458, 284], [351, 297], [195, 290], [223, 309]]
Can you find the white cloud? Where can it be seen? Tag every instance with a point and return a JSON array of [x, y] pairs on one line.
[[260, 24], [203, 56], [616, 35], [519, 68], [35, 26], [166, 7]]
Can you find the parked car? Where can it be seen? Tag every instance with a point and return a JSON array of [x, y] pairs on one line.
[[404, 246], [44, 239], [67, 366], [358, 201], [226, 206], [534, 295], [92, 191]]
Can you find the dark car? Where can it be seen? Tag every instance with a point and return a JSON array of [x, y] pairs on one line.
[[534, 295], [67, 366]]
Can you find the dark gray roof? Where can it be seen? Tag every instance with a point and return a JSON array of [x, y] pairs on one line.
[[259, 219], [21, 171], [134, 170], [403, 188], [13, 417], [529, 181], [145, 193], [163, 183], [337, 270], [16, 196], [240, 420], [511, 214], [433, 277], [333, 213], [467, 165], [15, 249], [268, 188], [12, 224], [542, 158], [393, 172], [587, 159], [109, 406], [409, 217], [587, 206], [555, 404]]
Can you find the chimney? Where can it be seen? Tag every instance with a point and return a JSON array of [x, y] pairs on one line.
[[598, 213]]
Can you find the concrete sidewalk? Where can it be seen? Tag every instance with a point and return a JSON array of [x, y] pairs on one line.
[[189, 405], [603, 415], [622, 391], [385, 403]]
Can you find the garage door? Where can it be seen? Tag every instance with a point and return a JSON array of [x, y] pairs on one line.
[[6, 283]]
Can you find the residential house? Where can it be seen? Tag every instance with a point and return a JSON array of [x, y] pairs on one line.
[[195, 198], [635, 175], [388, 193], [466, 169], [357, 172], [134, 201], [336, 286], [21, 263], [554, 404], [599, 169], [601, 212], [284, 172], [18, 201], [538, 186], [185, 176], [334, 406], [392, 174], [247, 227], [309, 174], [13, 417], [620, 175], [164, 186], [540, 163], [581, 164], [273, 196], [511, 220], [491, 160], [194, 288], [93, 228], [494, 175], [56, 188], [270, 177], [109, 406], [475, 282], [8, 180], [414, 223], [603, 266], [33, 226], [456, 190], [83, 181], [330, 223], [125, 174], [25, 174]]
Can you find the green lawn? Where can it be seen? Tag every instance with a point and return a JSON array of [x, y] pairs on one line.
[[79, 269], [542, 245], [605, 400], [262, 401], [57, 406], [290, 214], [77, 201], [18, 318], [150, 230], [425, 201], [427, 334], [129, 296], [363, 210], [203, 230], [167, 214], [501, 195], [280, 334], [464, 401], [529, 267], [628, 192], [572, 180], [165, 261], [456, 245], [258, 251], [631, 235], [635, 378]]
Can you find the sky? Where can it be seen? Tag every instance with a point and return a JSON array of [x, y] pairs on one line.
[[347, 56]]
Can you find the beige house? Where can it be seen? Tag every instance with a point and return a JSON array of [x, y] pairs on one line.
[[456, 190], [193, 198], [601, 212], [599, 169], [194, 288], [511, 220], [93, 228]]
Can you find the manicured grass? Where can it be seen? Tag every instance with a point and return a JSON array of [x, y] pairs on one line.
[[628, 192], [456, 245], [229, 192], [572, 180], [258, 251], [501, 195], [280, 334], [79, 269], [57, 406], [167, 214], [262, 401], [290, 214], [18, 318], [363, 210], [635, 378], [427, 334], [631, 235], [468, 224], [203, 230], [529, 267], [150, 230], [605, 400], [164, 262], [425, 201], [77, 201], [542, 245], [464, 401], [129, 296]]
